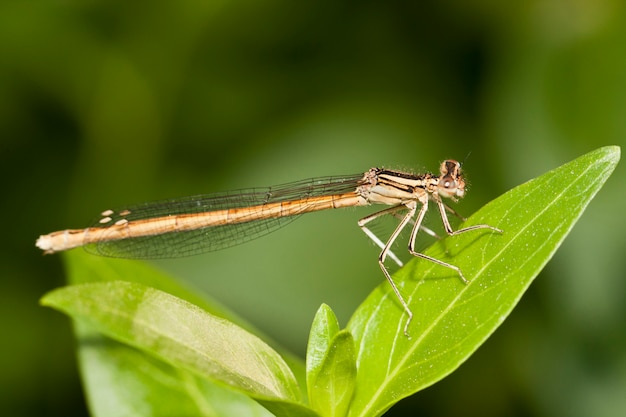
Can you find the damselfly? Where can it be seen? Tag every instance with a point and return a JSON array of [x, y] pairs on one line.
[[204, 223]]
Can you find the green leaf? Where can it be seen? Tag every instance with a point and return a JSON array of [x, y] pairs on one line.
[[451, 319], [333, 385], [83, 268], [122, 381], [331, 367], [325, 327], [185, 337], [115, 375]]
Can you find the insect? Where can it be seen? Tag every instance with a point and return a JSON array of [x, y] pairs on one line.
[[203, 223]]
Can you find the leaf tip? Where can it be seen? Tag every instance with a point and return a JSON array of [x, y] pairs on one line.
[[612, 153], [48, 299]]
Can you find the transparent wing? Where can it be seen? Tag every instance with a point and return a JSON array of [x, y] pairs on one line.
[[205, 239]]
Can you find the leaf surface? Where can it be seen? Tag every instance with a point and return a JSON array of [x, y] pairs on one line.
[[331, 367], [452, 319], [185, 337]]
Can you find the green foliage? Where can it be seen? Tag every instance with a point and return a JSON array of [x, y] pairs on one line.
[[187, 345], [331, 366], [453, 319]]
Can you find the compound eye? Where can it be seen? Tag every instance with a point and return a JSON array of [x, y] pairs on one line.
[[447, 187], [450, 168]]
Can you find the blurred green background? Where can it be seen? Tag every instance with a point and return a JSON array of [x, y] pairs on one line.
[[108, 103]]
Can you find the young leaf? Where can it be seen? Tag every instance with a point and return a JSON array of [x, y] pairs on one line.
[[332, 387], [452, 319], [325, 327], [184, 336], [331, 368]]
